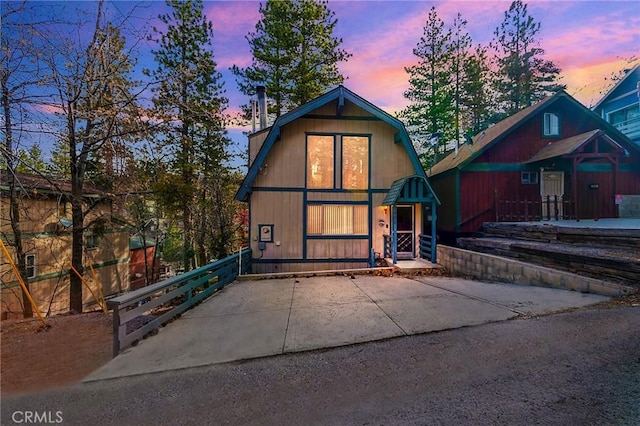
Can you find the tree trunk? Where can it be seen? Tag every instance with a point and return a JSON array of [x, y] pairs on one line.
[[75, 291], [14, 205]]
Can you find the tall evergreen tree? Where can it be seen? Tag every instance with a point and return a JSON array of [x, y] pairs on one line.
[[295, 53], [460, 44], [522, 77], [429, 115], [476, 97], [189, 100]]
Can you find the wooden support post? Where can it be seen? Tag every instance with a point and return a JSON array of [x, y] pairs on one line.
[[434, 216], [394, 235], [116, 330]]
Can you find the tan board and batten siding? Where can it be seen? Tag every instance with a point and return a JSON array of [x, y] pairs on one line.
[[51, 244], [284, 167]]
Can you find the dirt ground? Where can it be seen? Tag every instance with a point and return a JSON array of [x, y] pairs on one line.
[[33, 359], [75, 345]]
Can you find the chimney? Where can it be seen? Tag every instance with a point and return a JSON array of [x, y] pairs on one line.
[[262, 105]]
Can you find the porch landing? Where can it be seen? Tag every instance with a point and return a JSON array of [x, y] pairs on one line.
[[413, 265]]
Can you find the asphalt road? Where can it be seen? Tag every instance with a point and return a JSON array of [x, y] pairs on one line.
[[577, 368]]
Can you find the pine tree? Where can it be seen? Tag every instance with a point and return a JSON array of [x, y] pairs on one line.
[[429, 116], [295, 54], [522, 77], [32, 161], [460, 44], [190, 103], [476, 96]]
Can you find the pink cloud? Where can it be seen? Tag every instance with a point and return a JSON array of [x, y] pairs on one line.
[[232, 19], [48, 109]]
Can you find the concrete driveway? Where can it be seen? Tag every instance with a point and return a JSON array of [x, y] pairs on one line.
[[250, 319]]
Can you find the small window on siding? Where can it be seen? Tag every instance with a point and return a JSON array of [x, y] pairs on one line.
[[529, 178], [30, 263], [551, 124], [320, 162], [91, 241], [337, 219]]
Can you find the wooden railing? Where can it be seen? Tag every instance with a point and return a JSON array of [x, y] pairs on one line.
[[141, 312], [549, 208], [388, 248], [426, 249]]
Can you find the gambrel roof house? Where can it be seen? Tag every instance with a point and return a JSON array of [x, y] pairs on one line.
[[334, 184], [553, 160]]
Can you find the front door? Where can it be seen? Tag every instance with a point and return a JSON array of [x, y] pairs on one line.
[[551, 186], [405, 232]]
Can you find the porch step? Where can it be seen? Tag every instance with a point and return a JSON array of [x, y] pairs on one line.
[[413, 265]]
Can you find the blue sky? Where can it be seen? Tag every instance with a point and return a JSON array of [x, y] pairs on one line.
[[586, 39]]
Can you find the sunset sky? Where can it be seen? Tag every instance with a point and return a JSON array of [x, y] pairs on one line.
[[588, 40]]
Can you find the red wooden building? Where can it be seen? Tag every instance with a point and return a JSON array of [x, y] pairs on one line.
[[143, 272], [554, 160]]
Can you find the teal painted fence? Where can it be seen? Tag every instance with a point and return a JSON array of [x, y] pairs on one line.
[[138, 313], [427, 249]]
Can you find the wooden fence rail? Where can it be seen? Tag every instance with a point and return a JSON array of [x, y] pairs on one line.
[[427, 251], [547, 208], [387, 251], [140, 312]]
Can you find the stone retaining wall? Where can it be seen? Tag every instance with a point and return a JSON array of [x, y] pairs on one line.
[[495, 268]]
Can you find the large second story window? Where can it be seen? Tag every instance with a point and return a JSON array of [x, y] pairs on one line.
[[320, 162], [340, 162], [551, 126], [355, 162]]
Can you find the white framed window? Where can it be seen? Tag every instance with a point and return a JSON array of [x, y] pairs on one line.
[[529, 178], [91, 241], [30, 264], [337, 219], [551, 126]]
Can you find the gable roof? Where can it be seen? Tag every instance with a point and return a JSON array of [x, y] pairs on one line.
[[341, 94], [492, 135], [635, 70], [570, 145], [414, 189]]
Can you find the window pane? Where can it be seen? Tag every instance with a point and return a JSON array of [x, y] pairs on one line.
[[338, 220], [355, 162], [551, 124], [360, 220], [320, 161], [335, 219], [30, 264], [314, 220]]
